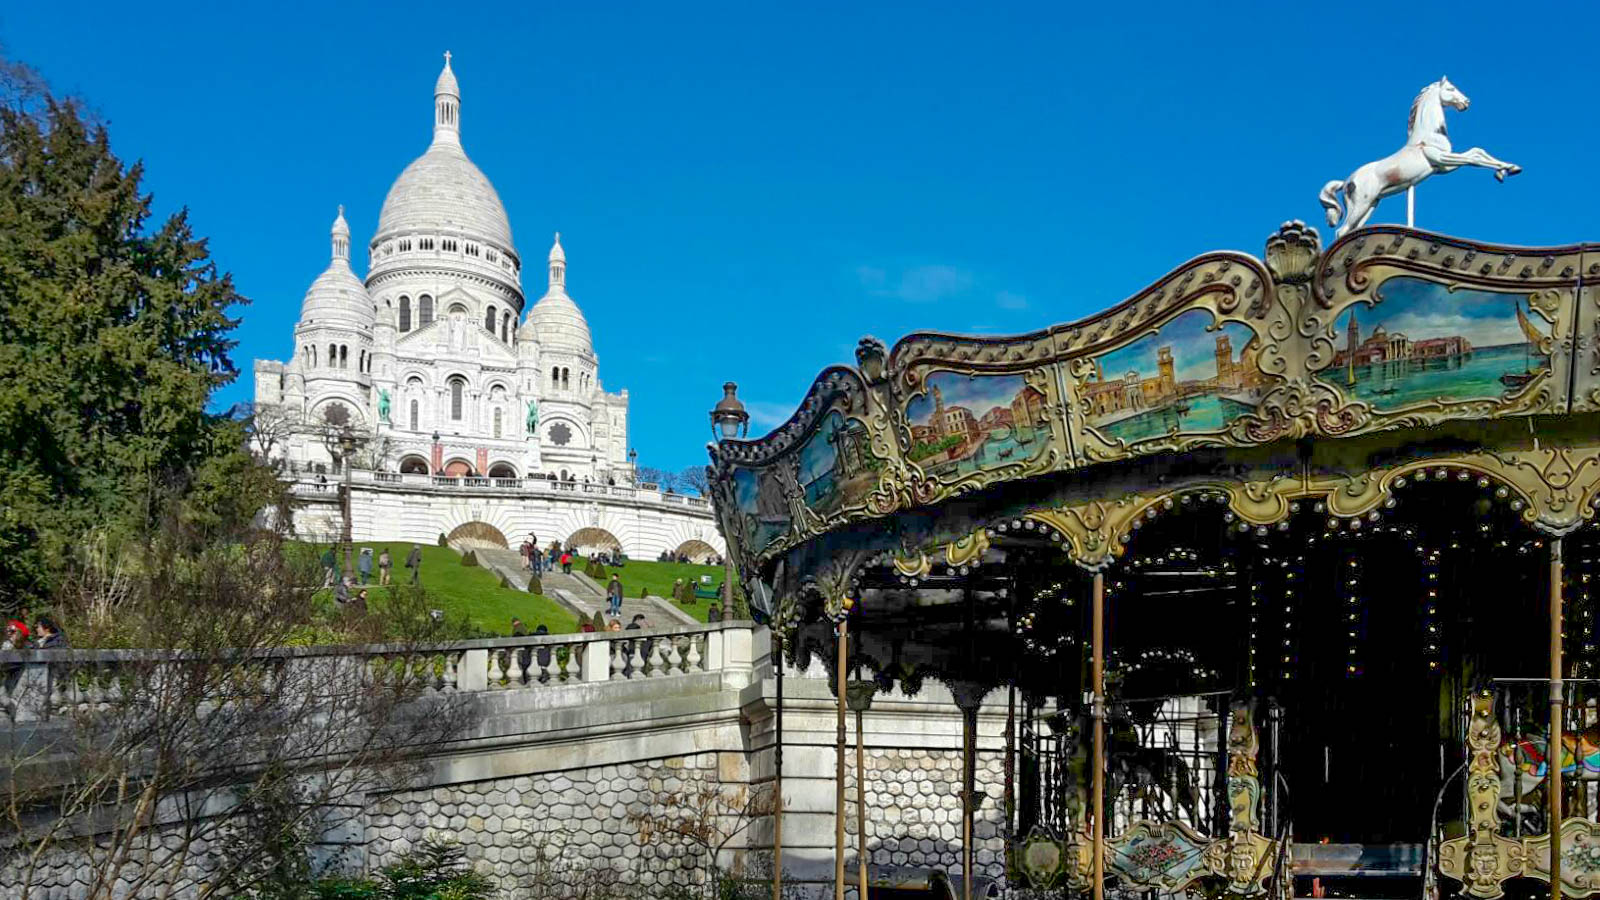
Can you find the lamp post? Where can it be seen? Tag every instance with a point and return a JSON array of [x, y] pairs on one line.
[[341, 444], [729, 420], [633, 465]]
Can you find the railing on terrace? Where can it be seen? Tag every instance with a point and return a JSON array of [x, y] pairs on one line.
[[328, 485], [41, 684]]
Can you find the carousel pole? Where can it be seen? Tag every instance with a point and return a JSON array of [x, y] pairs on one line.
[[1553, 748], [838, 813], [861, 809], [777, 769], [1097, 711]]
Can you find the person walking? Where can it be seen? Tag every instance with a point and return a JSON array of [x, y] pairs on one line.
[[50, 636], [614, 594], [364, 564], [414, 563], [566, 562], [385, 563], [542, 655], [330, 567]]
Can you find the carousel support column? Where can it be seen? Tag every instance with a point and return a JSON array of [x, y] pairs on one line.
[[777, 766], [1097, 711], [968, 697], [843, 632], [1554, 750], [860, 694]]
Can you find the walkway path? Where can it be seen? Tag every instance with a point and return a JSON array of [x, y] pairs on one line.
[[579, 593]]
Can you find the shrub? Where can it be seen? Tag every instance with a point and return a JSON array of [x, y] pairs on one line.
[[535, 586], [469, 558], [435, 870], [443, 541]]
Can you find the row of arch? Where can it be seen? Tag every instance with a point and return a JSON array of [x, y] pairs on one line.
[[495, 320], [458, 467], [585, 539], [561, 379], [339, 357], [444, 245]]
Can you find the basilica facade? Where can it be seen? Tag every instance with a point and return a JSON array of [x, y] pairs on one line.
[[448, 378], [430, 354]]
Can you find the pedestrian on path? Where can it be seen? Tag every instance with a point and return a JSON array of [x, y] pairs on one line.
[[614, 593], [414, 563], [566, 563], [330, 567], [385, 563], [364, 564]]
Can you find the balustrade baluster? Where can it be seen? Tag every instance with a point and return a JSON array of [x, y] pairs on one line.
[[635, 659], [514, 668], [657, 661], [496, 676], [450, 674], [619, 663], [695, 656], [674, 657]]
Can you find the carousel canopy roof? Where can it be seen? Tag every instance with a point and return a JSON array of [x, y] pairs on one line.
[[1304, 372]]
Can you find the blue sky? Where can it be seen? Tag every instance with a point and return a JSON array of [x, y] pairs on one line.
[[746, 189]]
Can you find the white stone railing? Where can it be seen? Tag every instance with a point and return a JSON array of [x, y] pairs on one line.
[[310, 486], [41, 684]]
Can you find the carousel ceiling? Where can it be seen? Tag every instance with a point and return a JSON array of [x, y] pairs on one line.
[[1225, 365]]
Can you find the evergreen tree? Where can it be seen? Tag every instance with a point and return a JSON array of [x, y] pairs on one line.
[[113, 336]]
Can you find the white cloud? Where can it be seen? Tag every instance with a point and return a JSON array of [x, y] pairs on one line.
[[767, 416]]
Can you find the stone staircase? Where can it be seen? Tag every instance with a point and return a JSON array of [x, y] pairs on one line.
[[579, 593]]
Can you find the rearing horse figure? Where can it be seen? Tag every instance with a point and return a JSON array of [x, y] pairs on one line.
[[1525, 763], [1427, 151]]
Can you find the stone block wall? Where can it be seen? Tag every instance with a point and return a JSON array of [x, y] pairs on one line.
[[913, 800], [551, 834]]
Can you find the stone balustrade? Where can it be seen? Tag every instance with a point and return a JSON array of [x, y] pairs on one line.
[[40, 684], [310, 486]]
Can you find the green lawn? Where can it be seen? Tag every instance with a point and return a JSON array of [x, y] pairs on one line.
[[467, 590], [657, 577]]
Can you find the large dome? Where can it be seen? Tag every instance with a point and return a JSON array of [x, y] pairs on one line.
[[442, 192]]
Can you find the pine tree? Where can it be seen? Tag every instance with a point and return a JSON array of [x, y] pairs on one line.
[[113, 336]]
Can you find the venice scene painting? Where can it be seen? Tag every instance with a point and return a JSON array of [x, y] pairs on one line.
[[836, 464], [964, 423], [1189, 376], [1424, 342]]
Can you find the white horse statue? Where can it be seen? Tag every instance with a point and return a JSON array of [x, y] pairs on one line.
[[1427, 150]]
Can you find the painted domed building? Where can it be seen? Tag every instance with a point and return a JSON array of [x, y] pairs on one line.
[[452, 383]]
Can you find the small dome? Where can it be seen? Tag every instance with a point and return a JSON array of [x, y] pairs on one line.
[[338, 297], [556, 253], [447, 80], [557, 323]]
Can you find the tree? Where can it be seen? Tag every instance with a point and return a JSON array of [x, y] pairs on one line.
[[201, 770], [114, 333], [663, 479], [694, 479]]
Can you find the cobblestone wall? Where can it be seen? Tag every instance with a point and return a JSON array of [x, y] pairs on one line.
[[531, 833], [914, 810]]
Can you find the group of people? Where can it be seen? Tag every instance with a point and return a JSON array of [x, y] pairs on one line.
[[538, 561], [44, 634], [334, 576], [669, 556]]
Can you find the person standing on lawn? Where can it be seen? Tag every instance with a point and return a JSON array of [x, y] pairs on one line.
[[414, 563], [364, 564], [330, 567], [385, 563], [614, 594]]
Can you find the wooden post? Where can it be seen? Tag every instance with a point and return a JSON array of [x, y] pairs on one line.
[[1553, 750], [777, 769], [1097, 711], [838, 814], [861, 810]]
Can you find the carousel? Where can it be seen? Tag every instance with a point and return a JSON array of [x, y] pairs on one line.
[[1283, 565]]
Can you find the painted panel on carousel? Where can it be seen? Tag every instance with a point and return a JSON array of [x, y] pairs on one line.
[[1585, 348], [966, 427], [763, 512], [837, 468], [1191, 376], [1426, 346]]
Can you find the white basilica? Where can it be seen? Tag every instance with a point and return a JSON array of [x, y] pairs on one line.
[[469, 413], [431, 353]]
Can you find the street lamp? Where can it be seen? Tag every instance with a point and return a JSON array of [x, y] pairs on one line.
[[341, 444], [728, 418]]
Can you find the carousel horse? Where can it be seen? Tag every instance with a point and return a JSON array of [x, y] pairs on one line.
[[1427, 151], [1525, 763]]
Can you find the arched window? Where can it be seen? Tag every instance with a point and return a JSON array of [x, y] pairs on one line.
[[488, 320], [333, 356], [505, 327], [458, 386], [344, 356], [311, 354], [497, 421], [566, 375], [405, 314], [555, 378], [424, 310], [414, 417]]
